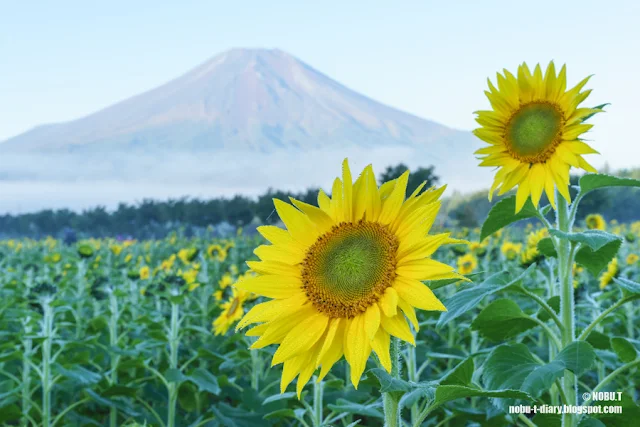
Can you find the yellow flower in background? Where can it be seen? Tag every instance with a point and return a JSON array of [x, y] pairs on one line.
[[56, 257], [128, 258], [232, 311], [167, 264], [511, 250], [233, 269], [607, 276], [595, 222], [145, 272], [225, 281], [116, 249], [217, 252], [576, 270], [632, 259], [345, 276], [190, 277], [467, 263], [218, 295], [532, 132], [128, 243], [187, 255], [143, 291], [239, 231]]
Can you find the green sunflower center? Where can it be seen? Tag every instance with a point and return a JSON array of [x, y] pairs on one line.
[[349, 268], [534, 131]]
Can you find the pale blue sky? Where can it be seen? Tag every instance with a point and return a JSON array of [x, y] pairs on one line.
[[65, 59]]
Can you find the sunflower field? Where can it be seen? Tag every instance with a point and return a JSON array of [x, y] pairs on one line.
[[363, 309]]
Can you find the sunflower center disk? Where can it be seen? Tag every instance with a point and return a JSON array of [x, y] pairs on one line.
[[349, 268], [534, 131]]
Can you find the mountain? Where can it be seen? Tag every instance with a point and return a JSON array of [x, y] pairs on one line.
[[245, 119]]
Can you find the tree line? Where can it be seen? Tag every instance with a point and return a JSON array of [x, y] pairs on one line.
[[153, 218]]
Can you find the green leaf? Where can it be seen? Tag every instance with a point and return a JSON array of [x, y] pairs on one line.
[[593, 181], [277, 397], [596, 261], [624, 349], [78, 374], [437, 284], [577, 357], [554, 303], [10, 413], [343, 405], [546, 248], [503, 213], [599, 340], [205, 381], [468, 299], [547, 420], [446, 393], [628, 418], [280, 413], [174, 375], [507, 366], [460, 375], [590, 422], [502, 319], [229, 416], [595, 239], [629, 287], [388, 384]]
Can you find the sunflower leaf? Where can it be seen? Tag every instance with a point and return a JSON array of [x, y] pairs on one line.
[[503, 214], [597, 107], [546, 248], [595, 239], [629, 287], [468, 299], [596, 260], [624, 349], [594, 181], [446, 393], [502, 319]]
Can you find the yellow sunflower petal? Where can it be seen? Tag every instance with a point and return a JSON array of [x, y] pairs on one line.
[[418, 294], [389, 302], [398, 327], [380, 345], [301, 338]]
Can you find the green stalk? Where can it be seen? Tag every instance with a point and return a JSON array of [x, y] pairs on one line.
[[47, 332], [630, 321], [390, 402], [26, 372], [113, 341], [256, 366], [567, 303], [173, 363], [412, 373], [318, 389]]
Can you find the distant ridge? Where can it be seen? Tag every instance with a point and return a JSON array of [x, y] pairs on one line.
[[261, 110]]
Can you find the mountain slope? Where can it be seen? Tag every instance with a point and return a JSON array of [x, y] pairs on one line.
[[241, 99], [245, 120]]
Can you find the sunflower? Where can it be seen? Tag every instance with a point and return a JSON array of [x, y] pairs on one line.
[[232, 311], [607, 276], [632, 259], [531, 254], [533, 131], [467, 263], [510, 250], [345, 276], [145, 272], [595, 222], [190, 277], [217, 252]]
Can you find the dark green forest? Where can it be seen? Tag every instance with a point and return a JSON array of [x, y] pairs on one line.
[[154, 219]]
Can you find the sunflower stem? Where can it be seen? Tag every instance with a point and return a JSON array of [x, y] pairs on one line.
[[174, 341], [567, 304], [113, 341], [390, 401], [318, 389]]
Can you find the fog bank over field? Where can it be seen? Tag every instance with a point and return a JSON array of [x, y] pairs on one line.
[[31, 183]]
